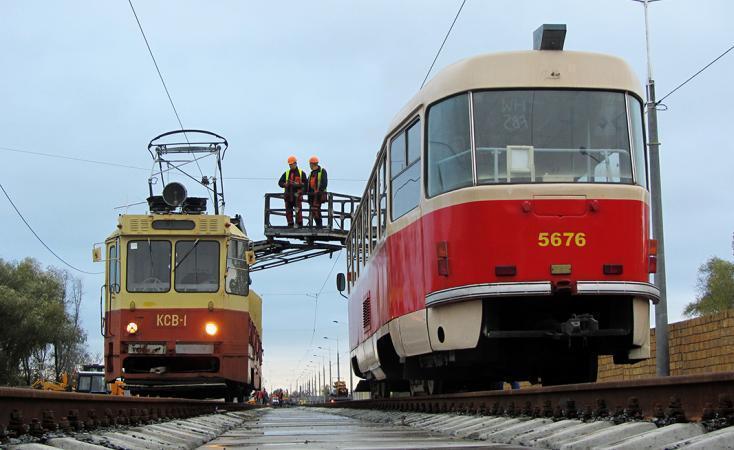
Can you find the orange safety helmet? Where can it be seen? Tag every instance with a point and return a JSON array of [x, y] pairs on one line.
[[314, 160], [292, 159]]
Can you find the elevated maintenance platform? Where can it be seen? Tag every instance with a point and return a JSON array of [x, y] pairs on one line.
[[284, 244]]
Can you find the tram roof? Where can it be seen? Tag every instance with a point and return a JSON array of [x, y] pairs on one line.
[[525, 69], [166, 225]]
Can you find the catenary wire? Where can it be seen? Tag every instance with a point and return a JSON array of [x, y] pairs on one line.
[[73, 158], [39, 238], [444, 42], [316, 308], [160, 75], [173, 167], [163, 82], [695, 74]]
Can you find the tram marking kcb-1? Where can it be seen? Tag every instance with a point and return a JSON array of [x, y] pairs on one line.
[[170, 320]]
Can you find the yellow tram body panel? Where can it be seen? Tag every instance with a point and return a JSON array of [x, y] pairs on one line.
[[168, 314], [204, 227]]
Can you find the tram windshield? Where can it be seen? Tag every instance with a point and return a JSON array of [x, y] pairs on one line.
[[536, 136], [197, 266], [148, 266]]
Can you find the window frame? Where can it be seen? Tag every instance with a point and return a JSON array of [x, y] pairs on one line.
[[366, 234], [374, 220], [383, 191], [472, 152], [114, 285], [350, 263], [127, 265], [174, 275], [475, 172], [633, 148], [403, 132], [244, 243]]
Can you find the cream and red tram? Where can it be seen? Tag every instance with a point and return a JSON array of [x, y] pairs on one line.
[[504, 231], [179, 318]]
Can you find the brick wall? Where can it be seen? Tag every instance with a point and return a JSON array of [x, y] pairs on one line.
[[704, 344]]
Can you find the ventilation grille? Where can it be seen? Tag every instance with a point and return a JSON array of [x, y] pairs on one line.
[[208, 225], [366, 315], [139, 225]]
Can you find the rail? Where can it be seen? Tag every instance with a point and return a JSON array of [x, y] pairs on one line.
[[705, 397], [24, 411]]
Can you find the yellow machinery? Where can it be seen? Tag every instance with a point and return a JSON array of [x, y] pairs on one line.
[[46, 385]]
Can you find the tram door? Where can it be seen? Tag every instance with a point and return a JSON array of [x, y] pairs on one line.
[[112, 287]]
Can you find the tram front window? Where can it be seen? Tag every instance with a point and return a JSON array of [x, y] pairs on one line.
[[148, 266], [547, 136], [197, 266]]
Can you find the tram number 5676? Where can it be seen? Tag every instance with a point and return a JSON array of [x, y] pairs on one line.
[[562, 239], [170, 320]]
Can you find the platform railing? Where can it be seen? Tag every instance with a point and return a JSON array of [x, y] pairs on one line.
[[336, 212]]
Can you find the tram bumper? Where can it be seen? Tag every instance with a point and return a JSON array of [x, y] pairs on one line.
[[612, 317]]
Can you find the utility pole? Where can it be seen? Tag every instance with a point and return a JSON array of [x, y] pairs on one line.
[[338, 376], [323, 367], [662, 356], [351, 373]]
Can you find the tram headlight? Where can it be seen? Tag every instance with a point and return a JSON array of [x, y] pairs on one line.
[[211, 328], [132, 328]]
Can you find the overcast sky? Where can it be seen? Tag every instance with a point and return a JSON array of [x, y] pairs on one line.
[[313, 77]]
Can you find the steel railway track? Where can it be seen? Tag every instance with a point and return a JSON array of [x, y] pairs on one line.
[[706, 397], [34, 412]]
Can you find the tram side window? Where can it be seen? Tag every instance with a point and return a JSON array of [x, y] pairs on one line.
[[359, 246], [382, 186], [237, 281], [197, 266], [449, 146], [634, 110], [366, 233], [114, 270], [406, 183], [373, 213], [355, 247], [148, 266], [350, 259]]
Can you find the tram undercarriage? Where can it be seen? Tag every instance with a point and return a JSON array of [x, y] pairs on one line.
[[549, 340]]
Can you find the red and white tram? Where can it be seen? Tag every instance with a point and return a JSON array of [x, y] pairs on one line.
[[504, 230]]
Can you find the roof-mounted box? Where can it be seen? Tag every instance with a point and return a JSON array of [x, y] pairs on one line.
[[549, 37]]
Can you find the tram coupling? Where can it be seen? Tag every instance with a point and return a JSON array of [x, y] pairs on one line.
[[580, 325]]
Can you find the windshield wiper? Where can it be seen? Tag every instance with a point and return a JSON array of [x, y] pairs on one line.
[[196, 242], [586, 153]]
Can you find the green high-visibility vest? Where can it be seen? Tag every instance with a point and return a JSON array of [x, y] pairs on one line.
[[318, 181], [288, 176]]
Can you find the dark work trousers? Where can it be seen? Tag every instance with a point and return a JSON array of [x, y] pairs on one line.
[[316, 200], [293, 201]]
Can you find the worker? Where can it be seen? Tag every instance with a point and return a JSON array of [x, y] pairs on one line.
[[293, 181], [317, 183]]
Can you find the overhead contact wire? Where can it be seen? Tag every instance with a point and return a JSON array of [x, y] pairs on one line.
[[444, 42], [173, 167], [168, 94], [160, 75], [695, 74], [39, 237], [316, 306]]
